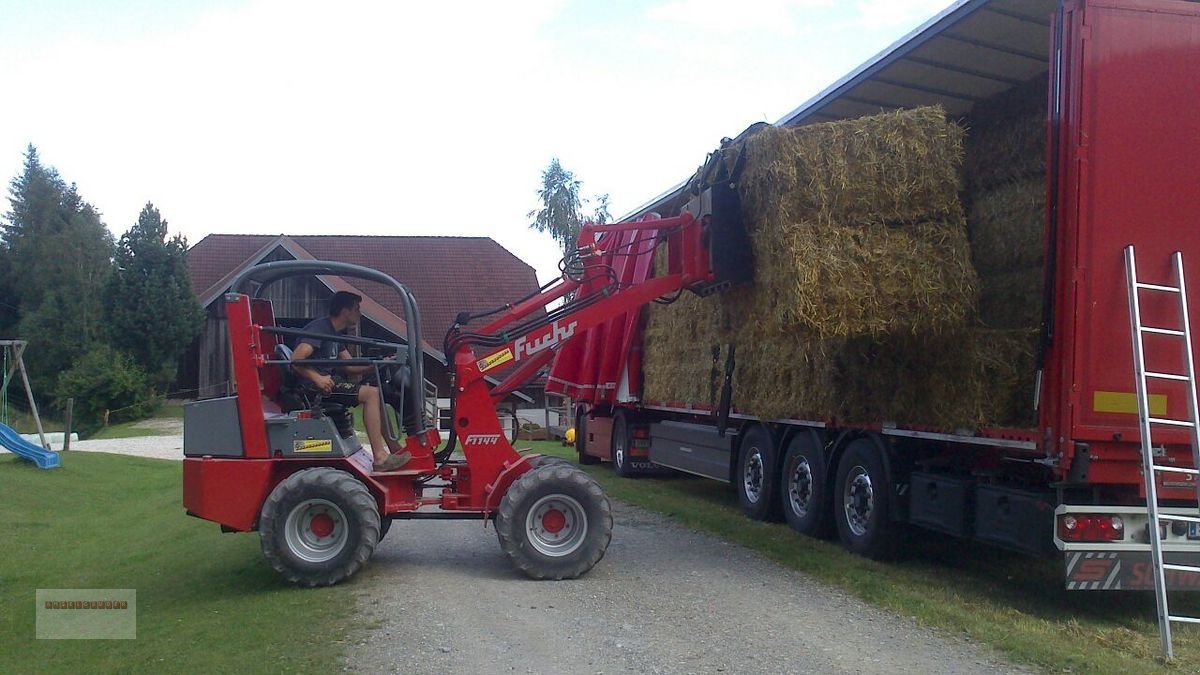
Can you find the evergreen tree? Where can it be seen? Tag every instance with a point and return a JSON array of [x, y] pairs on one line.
[[153, 316], [58, 258]]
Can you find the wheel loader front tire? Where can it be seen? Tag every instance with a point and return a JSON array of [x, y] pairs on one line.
[[554, 522], [319, 527]]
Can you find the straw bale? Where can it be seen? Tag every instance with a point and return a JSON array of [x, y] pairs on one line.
[[840, 281], [1006, 226], [1012, 299], [1006, 136], [895, 167]]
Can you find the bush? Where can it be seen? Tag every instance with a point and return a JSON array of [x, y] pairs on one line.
[[105, 380]]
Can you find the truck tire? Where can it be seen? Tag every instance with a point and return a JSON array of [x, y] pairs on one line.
[[621, 437], [757, 478], [863, 504], [581, 439], [319, 526], [554, 523], [803, 494], [385, 524]]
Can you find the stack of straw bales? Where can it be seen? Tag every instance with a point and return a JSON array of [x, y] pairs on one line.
[[865, 302], [1005, 190]]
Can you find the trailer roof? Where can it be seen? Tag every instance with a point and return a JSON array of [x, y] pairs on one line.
[[971, 51]]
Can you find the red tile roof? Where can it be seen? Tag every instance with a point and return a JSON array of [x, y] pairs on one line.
[[445, 274]]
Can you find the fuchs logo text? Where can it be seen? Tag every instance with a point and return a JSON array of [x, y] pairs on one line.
[[482, 439], [555, 335]]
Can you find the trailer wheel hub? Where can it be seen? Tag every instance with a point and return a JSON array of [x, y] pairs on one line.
[[752, 477], [859, 500], [800, 486]]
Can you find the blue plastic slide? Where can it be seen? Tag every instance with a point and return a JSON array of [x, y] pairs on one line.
[[10, 440]]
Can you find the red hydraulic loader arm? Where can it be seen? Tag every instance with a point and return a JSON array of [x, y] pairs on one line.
[[707, 253]]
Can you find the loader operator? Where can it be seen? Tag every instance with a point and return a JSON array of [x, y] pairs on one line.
[[344, 312]]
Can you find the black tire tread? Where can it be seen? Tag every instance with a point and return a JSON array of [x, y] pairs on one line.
[[320, 479], [510, 524]]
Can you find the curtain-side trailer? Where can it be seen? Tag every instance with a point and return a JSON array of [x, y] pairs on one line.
[[1122, 167]]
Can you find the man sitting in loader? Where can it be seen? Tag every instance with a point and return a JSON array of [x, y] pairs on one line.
[[344, 311]]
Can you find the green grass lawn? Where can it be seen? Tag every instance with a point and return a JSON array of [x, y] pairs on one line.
[[1013, 602], [206, 601]]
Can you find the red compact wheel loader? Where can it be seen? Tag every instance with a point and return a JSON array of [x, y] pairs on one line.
[[299, 476]]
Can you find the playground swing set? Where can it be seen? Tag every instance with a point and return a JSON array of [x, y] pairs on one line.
[[10, 440]]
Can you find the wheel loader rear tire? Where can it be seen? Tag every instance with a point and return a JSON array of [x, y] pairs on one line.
[[319, 527], [554, 522]]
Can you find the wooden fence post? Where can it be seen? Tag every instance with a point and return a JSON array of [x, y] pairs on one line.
[[67, 433]]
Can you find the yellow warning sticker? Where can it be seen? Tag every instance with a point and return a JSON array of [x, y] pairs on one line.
[[495, 360], [312, 446], [1126, 402]]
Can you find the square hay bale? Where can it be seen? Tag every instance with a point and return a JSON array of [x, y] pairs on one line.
[[895, 167], [1006, 136], [857, 227], [1006, 226], [1012, 300], [841, 281]]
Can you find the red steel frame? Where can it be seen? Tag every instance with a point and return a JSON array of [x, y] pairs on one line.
[[230, 491]]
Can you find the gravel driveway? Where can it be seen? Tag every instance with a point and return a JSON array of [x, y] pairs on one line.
[[664, 600]]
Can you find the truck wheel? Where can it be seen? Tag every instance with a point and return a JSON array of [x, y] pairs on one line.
[[319, 526], [806, 505], [581, 439], [621, 436], [757, 478], [554, 523], [862, 503]]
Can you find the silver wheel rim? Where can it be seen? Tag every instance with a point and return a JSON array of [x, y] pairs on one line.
[[619, 447], [800, 485], [316, 530], [557, 525], [859, 500], [752, 477]]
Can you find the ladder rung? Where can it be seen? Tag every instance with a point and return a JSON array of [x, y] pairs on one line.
[[1184, 619], [1181, 519], [1181, 568], [1170, 423], [1157, 287], [1174, 469], [1167, 376], [1162, 331]]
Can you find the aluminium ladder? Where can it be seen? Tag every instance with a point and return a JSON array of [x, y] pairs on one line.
[[1150, 469]]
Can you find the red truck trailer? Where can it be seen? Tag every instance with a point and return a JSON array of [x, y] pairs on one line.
[[1122, 167]]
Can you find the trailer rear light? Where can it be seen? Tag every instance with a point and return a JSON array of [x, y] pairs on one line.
[[1090, 527], [641, 432]]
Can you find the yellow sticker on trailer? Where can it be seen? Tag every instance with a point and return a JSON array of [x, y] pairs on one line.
[[495, 360], [312, 446], [1126, 402]]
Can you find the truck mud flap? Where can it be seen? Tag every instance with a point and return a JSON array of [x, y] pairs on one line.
[[1126, 571]]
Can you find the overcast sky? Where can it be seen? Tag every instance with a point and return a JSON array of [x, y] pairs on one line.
[[404, 118]]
